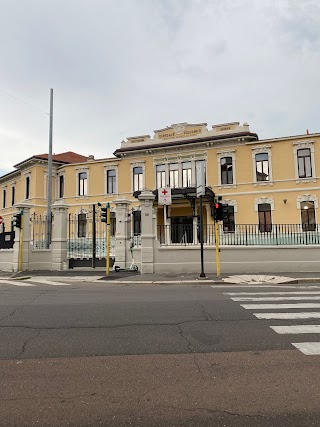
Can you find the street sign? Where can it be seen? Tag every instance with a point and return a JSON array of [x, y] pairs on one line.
[[201, 188], [164, 196]]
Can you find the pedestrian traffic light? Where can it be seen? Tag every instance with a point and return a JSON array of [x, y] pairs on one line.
[[104, 214], [16, 220]]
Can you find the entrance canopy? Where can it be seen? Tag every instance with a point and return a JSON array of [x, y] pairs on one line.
[[187, 193]]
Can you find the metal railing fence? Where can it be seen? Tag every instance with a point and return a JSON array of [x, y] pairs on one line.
[[241, 234], [39, 231]]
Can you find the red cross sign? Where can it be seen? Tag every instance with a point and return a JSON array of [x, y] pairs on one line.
[[164, 196]]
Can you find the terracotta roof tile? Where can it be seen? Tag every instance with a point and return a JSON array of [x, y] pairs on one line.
[[67, 157]]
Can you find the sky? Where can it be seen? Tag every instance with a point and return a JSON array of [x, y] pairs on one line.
[[122, 68]]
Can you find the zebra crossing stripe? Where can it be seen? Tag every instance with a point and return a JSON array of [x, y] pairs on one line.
[[308, 348], [16, 283], [287, 316], [48, 282], [313, 298], [280, 306], [297, 329], [273, 293]]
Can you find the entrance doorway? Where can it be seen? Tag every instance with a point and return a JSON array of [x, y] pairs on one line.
[[182, 229]]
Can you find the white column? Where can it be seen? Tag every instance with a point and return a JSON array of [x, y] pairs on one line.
[[59, 244], [147, 231], [122, 236]]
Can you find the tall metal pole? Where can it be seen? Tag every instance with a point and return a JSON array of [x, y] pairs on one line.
[[201, 239], [94, 239], [50, 173]]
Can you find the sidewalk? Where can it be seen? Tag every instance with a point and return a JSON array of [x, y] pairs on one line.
[[136, 277]]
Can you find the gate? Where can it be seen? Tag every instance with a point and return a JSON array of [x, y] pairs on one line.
[[87, 239]]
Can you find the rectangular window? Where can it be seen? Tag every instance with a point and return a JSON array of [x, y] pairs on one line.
[[186, 174], [161, 176], [27, 187], [308, 217], [4, 196], [136, 223], [228, 223], [262, 167], [137, 178], [82, 225], [13, 196], [304, 163], [226, 170], [265, 223], [112, 223], [174, 175], [111, 181], [198, 168], [82, 184], [61, 186]]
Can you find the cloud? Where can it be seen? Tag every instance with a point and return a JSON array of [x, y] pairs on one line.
[[126, 67]]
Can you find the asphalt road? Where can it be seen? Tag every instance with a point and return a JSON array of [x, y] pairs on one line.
[[92, 354]]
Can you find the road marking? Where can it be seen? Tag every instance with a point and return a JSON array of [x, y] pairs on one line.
[[297, 329], [48, 282], [280, 306], [308, 348], [274, 293], [313, 298], [289, 316], [16, 283]]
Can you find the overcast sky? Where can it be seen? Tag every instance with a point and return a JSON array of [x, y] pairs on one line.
[[122, 68]]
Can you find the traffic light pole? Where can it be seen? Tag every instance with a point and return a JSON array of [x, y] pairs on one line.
[[216, 228], [108, 241], [202, 274], [20, 243], [50, 173], [94, 236]]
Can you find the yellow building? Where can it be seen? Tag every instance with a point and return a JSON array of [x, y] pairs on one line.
[[264, 182]]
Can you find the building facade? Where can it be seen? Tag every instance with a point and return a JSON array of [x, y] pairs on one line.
[[264, 182]]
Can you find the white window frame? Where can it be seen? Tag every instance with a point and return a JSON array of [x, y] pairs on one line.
[[138, 164], [262, 149], [307, 198], [262, 200], [108, 167], [4, 190], [221, 155], [58, 185], [179, 160], [188, 169], [156, 175], [13, 186], [300, 145], [27, 175], [86, 212], [78, 171]]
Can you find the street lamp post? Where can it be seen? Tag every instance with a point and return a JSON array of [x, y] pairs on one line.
[[50, 173]]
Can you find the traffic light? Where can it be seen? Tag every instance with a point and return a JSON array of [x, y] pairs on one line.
[[225, 213], [16, 220], [218, 211], [104, 214]]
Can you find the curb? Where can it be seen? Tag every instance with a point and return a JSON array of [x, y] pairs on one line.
[[210, 282]]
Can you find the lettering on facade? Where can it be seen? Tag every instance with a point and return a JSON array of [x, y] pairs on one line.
[[224, 128], [137, 140], [174, 135]]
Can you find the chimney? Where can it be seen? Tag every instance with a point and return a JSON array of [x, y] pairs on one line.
[[90, 157]]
